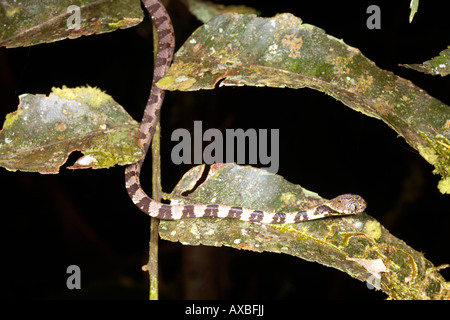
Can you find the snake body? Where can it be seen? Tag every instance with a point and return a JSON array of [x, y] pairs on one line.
[[345, 204]]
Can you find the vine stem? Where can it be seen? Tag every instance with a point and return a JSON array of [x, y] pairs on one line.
[[152, 264]]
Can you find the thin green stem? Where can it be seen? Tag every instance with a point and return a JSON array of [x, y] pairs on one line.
[[152, 265], [154, 236]]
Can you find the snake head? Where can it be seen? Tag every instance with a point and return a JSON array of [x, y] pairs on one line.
[[348, 204]]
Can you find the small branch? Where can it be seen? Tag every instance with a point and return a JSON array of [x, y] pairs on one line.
[[152, 264]]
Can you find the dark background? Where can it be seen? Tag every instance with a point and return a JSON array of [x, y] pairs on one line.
[[86, 218]]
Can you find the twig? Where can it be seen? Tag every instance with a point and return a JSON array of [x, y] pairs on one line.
[[154, 237], [152, 265]]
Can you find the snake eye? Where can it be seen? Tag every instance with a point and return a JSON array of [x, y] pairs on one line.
[[353, 207]]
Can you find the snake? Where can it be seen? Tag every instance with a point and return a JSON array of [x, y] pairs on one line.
[[345, 204]]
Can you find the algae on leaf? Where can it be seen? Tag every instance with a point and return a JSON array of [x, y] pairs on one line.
[[237, 50], [29, 22], [439, 65], [41, 134], [357, 245]]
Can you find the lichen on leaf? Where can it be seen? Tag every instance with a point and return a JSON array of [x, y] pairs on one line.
[[29, 22], [439, 65], [44, 130], [243, 49], [356, 244]]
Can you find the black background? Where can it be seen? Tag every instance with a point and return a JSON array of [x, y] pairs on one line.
[[86, 218]]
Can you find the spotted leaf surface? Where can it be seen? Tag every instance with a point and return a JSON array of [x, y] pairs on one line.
[[439, 65], [44, 130], [29, 22], [358, 245], [283, 52]]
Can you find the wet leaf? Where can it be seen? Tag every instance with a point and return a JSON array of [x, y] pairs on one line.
[[357, 245], [246, 187], [237, 50], [439, 65], [41, 134], [29, 22]]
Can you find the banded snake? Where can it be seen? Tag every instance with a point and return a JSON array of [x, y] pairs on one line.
[[345, 204]]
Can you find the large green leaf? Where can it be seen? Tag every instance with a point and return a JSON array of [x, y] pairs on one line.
[[237, 50], [358, 245], [41, 134]]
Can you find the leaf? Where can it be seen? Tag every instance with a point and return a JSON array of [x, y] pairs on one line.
[[206, 10], [245, 186], [414, 6], [358, 245], [237, 50], [29, 22], [438, 65], [41, 134]]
